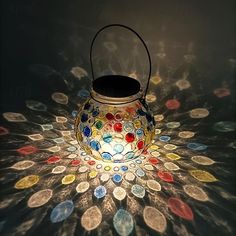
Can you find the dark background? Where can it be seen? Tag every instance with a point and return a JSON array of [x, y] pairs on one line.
[[58, 34]]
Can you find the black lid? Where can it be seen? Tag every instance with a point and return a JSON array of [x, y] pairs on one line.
[[116, 86]]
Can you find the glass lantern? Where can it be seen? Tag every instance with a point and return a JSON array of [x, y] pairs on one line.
[[115, 123]]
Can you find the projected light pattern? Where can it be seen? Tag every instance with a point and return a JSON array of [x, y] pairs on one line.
[[52, 185]]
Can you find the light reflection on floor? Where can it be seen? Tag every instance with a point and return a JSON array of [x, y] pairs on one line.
[[174, 186]]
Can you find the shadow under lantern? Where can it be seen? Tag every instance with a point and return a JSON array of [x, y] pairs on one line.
[[115, 123]]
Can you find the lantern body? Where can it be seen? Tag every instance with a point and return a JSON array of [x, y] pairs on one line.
[[114, 132]]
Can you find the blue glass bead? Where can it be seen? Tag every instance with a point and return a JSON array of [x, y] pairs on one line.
[[84, 117], [164, 138], [107, 138], [95, 145], [118, 148], [139, 132], [87, 131], [117, 178], [100, 191], [106, 156], [95, 113], [87, 106], [129, 155], [141, 112]]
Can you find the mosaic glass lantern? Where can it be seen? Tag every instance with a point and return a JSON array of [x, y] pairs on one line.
[[115, 124]]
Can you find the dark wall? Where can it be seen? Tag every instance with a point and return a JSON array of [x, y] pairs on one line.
[[57, 35]]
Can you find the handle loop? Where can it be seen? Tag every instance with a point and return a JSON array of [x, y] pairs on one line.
[[128, 28]]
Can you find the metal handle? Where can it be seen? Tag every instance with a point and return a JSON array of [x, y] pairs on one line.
[[145, 46]]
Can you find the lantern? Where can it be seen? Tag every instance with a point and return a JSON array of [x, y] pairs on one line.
[[115, 124]]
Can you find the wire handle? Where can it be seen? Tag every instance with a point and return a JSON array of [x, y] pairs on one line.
[[145, 46]]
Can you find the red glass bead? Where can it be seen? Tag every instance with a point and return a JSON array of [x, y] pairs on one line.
[[180, 208], [153, 160], [118, 127], [75, 162], [166, 176], [140, 144], [172, 104], [53, 159], [109, 116], [129, 137], [27, 150], [91, 162]]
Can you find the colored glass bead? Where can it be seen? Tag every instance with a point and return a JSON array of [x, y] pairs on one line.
[[118, 148], [95, 145], [84, 117], [109, 116], [140, 144], [87, 131], [107, 138], [98, 124], [118, 127], [106, 156], [129, 137]]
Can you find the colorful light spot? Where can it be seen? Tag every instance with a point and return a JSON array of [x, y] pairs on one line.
[[99, 124], [82, 187], [164, 138], [100, 191], [166, 176], [154, 219], [3, 131], [173, 156], [202, 176], [53, 159], [91, 218], [27, 150], [138, 191], [221, 92], [62, 211], [199, 113], [180, 208], [197, 146], [202, 160], [27, 182], [119, 193], [123, 222], [153, 185], [153, 160], [195, 192], [172, 104], [75, 162], [40, 198], [225, 126], [117, 178], [68, 179]]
